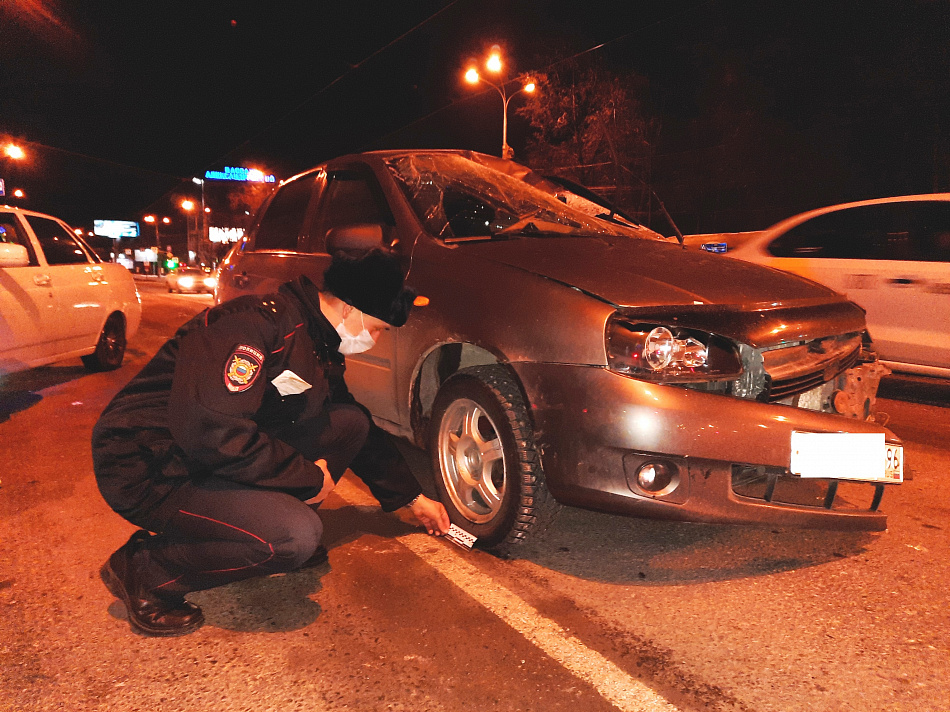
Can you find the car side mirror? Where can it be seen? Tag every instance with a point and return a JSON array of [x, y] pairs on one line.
[[354, 238], [13, 255]]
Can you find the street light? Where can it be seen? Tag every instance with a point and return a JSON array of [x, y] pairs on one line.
[[494, 65], [11, 150], [152, 220], [188, 206], [203, 239], [16, 154]]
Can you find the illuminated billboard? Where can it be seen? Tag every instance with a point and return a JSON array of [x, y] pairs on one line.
[[246, 175], [225, 234], [115, 228]]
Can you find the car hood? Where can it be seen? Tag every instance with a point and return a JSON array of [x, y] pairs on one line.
[[637, 272]]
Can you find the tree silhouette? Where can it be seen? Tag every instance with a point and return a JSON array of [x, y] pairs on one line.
[[589, 126]]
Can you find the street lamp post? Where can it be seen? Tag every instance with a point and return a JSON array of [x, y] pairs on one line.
[[203, 240], [151, 220], [204, 210], [494, 64], [188, 206], [14, 154]]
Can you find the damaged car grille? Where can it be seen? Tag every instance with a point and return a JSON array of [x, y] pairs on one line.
[[777, 374], [798, 369]]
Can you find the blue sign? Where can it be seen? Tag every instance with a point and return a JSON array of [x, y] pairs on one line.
[[116, 229], [246, 175]]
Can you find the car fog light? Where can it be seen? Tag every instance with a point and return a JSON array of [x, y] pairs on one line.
[[654, 476]]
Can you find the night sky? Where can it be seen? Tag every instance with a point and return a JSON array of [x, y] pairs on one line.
[[120, 103]]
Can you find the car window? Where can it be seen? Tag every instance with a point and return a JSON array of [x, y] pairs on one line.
[[12, 233], [58, 244], [905, 231], [280, 226], [932, 222], [353, 197]]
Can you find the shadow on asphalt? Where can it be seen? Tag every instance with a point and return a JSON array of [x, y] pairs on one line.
[[19, 391], [625, 550], [284, 602], [263, 605], [613, 549]]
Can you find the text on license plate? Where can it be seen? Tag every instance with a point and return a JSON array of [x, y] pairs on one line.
[[847, 456]]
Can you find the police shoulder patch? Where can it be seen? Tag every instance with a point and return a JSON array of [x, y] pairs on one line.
[[242, 368]]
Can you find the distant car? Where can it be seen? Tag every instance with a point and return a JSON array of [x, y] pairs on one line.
[[556, 357], [891, 256], [191, 279], [58, 299]]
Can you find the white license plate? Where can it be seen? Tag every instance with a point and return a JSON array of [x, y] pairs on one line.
[[846, 456]]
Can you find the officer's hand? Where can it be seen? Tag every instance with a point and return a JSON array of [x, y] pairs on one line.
[[431, 515]]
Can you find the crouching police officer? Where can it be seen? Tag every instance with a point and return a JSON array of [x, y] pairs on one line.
[[219, 446]]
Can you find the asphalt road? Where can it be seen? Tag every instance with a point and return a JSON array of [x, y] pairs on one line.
[[603, 613]]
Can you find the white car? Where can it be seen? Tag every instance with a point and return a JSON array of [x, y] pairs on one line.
[[191, 279], [58, 299], [891, 256]]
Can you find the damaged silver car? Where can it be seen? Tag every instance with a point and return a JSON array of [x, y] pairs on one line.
[[562, 356]]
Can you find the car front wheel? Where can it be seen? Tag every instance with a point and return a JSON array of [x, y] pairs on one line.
[[487, 470], [110, 349]]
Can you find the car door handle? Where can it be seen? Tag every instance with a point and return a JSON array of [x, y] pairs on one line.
[[241, 281], [903, 280], [42, 280]]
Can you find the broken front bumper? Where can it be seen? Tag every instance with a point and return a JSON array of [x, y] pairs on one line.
[[595, 429]]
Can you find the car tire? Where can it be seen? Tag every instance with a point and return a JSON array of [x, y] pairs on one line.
[[501, 498], [110, 349]]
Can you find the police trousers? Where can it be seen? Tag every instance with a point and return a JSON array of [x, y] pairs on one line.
[[211, 531]]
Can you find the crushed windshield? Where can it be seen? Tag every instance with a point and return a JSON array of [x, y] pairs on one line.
[[457, 198]]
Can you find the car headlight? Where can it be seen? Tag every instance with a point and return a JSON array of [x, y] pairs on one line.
[[211, 282], [669, 353], [186, 282]]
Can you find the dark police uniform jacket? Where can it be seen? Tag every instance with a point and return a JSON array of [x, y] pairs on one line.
[[206, 404]]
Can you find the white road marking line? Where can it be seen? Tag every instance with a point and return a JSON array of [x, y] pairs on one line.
[[614, 685]]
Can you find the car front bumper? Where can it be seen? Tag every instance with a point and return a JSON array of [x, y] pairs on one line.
[[594, 428]]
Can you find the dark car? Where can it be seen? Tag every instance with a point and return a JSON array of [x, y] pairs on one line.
[[558, 358], [191, 279]]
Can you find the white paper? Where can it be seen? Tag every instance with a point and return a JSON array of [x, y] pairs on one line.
[[289, 383]]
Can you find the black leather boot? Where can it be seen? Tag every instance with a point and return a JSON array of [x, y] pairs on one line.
[[148, 613]]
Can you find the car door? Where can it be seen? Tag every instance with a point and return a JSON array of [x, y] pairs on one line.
[[925, 276], [353, 214], [271, 256], [77, 281], [28, 318], [877, 256]]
